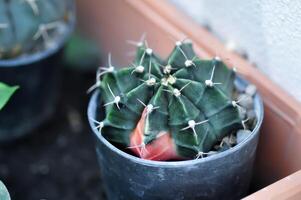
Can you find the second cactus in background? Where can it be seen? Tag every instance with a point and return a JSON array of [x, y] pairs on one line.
[[28, 26], [32, 37]]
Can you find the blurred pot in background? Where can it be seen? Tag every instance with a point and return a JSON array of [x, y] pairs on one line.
[[31, 44]]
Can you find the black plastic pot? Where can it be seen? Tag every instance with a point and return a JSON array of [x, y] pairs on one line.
[[225, 175], [38, 76]]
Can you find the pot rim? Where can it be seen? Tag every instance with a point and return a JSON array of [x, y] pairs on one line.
[[24, 60], [92, 112]]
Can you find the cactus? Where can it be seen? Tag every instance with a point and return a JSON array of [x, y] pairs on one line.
[[27, 26], [168, 110]]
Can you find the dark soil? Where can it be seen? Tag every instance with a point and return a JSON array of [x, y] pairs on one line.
[[57, 161]]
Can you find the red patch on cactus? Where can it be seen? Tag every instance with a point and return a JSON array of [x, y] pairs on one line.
[[163, 148]]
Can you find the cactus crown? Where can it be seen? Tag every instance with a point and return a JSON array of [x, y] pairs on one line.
[[166, 110], [30, 25]]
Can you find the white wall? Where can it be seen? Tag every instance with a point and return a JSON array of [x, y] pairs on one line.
[[268, 30]]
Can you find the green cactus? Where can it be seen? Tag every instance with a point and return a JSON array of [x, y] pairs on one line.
[[167, 110], [29, 25]]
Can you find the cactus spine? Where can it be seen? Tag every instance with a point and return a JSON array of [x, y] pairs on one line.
[[168, 110], [27, 26]]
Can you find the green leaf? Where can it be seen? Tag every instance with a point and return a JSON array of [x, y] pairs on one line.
[[5, 93], [4, 195]]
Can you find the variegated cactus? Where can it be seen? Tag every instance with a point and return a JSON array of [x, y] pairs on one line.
[[168, 110], [29, 25]]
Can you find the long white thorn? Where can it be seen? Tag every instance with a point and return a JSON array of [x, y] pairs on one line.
[[33, 5], [194, 134], [43, 28], [97, 81], [109, 103], [176, 92], [149, 82], [43, 32], [149, 68], [99, 126], [142, 57], [182, 52], [143, 36], [221, 144], [236, 103], [244, 123], [116, 98], [167, 91], [185, 86], [148, 50], [111, 90], [167, 68], [201, 122], [146, 43], [212, 73], [110, 59], [192, 124], [105, 72], [93, 87], [210, 82], [161, 134], [115, 101], [168, 62], [178, 42], [142, 149], [137, 43], [141, 102], [149, 108], [109, 69], [201, 154], [188, 62]]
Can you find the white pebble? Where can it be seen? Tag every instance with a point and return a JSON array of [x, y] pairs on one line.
[[246, 101], [251, 90]]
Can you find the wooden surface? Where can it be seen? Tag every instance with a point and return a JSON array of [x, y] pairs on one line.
[[288, 188]]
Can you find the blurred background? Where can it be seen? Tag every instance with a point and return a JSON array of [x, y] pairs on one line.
[[56, 159], [267, 31]]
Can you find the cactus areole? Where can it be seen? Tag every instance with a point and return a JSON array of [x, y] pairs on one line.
[[174, 109], [29, 26]]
